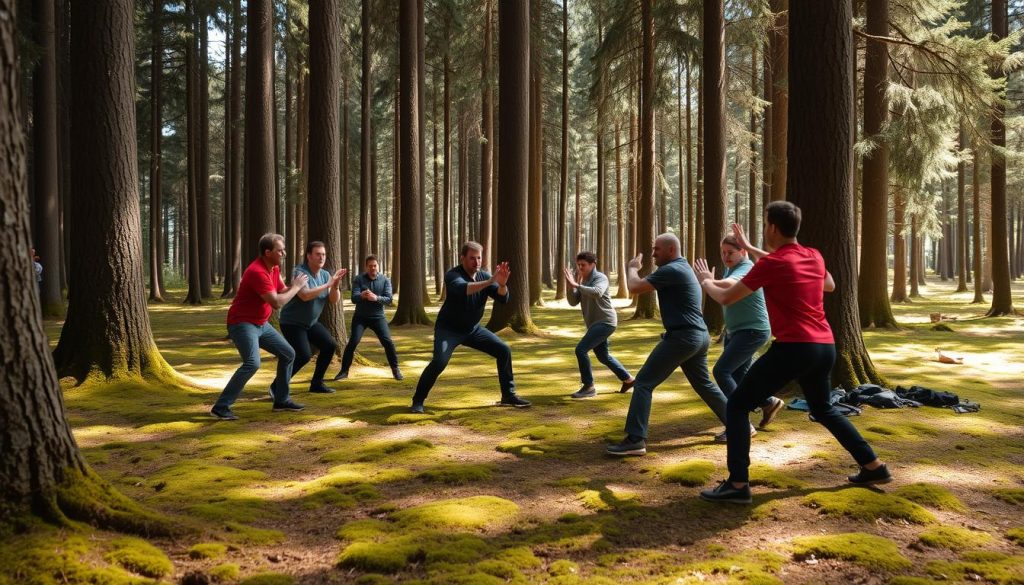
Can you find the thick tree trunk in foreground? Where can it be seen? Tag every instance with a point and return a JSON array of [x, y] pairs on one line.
[[513, 117], [820, 143], [410, 309], [644, 213], [1002, 297], [107, 332], [714, 215], [873, 280]]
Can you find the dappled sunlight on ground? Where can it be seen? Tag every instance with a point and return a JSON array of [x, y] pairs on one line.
[[356, 486]]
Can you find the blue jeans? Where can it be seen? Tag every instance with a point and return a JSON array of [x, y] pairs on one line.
[[596, 339], [737, 357], [300, 338], [479, 339], [810, 364], [378, 325], [249, 338], [684, 348]]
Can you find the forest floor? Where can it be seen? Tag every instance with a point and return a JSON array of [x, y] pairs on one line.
[[355, 489]]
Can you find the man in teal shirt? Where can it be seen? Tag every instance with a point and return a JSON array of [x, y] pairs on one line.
[[746, 329], [300, 317]]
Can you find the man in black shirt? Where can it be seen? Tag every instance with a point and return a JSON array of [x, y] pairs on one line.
[[371, 291], [458, 323]]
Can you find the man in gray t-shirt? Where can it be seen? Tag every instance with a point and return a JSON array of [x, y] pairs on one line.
[[591, 293], [684, 343]]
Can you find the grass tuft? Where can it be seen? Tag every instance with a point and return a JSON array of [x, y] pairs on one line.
[[867, 550], [867, 505]]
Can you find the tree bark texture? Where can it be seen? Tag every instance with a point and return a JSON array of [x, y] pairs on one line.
[[1002, 297], [563, 165], [714, 146], [107, 332], [820, 140], [778, 44], [513, 127], [486, 142], [260, 161]]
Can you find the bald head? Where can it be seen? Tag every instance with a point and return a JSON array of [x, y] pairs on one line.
[[666, 248]]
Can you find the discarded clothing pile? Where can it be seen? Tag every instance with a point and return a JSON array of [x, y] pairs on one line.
[[849, 403]]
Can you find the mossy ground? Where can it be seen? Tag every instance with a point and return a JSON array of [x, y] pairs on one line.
[[356, 489]]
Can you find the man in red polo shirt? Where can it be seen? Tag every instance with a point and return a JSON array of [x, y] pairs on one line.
[[794, 279], [260, 291]]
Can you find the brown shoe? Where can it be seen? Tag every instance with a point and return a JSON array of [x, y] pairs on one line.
[[627, 386], [769, 412]]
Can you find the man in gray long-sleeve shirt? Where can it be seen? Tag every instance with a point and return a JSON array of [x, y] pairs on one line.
[[592, 294]]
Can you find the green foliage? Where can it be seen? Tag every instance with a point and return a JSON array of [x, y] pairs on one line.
[[931, 495], [138, 556], [207, 550], [692, 473], [953, 537], [873, 552], [867, 505]]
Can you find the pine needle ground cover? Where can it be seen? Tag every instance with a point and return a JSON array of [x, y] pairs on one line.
[[356, 490]]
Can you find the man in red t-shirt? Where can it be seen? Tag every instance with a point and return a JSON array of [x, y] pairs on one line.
[[794, 279], [260, 291]]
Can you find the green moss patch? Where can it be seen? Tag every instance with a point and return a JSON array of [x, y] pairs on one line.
[[1010, 495], [138, 556], [242, 534], [993, 567], [867, 550], [207, 550], [458, 474], [524, 448], [374, 579], [751, 567], [765, 475], [905, 580], [216, 492], [346, 496], [471, 513], [953, 537], [691, 473], [520, 557], [392, 450], [225, 572], [867, 505], [563, 567], [383, 557], [932, 496], [45, 556], [268, 579], [1016, 535]]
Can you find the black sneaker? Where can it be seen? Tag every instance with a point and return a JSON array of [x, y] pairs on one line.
[[871, 476], [725, 492], [416, 408], [627, 386], [585, 392], [514, 401], [291, 406], [223, 414], [629, 446], [341, 375], [397, 373], [768, 413], [321, 389]]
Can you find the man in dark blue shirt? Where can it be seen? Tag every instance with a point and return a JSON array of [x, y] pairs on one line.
[[458, 323], [684, 343], [371, 291]]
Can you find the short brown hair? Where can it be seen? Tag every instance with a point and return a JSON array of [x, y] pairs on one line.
[[267, 242], [587, 257], [314, 245], [470, 245], [371, 257], [785, 216], [732, 241]]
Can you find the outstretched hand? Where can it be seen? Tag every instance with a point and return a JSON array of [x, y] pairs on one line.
[[741, 237], [501, 274], [338, 275], [570, 278], [700, 267], [637, 261], [300, 281]]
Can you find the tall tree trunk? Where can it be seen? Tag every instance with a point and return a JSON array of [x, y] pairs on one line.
[[976, 218], [513, 119], [961, 221], [45, 156], [819, 144], [194, 241], [899, 264], [155, 153], [534, 211], [324, 194], [1002, 297], [644, 214], [411, 302], [752, 206], [915, 258], [691, 220], [714, 145], [259, 125], [439, 264], [873, 279], [486, 143], [563, 165], [601, 246], [237, 175], [446, 215], [698, 231], [346, 226], [684, 179], [620, 223], [228, 212], [107, 332], [204, 208], [396, 206], [778, 44], [365, 135]]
